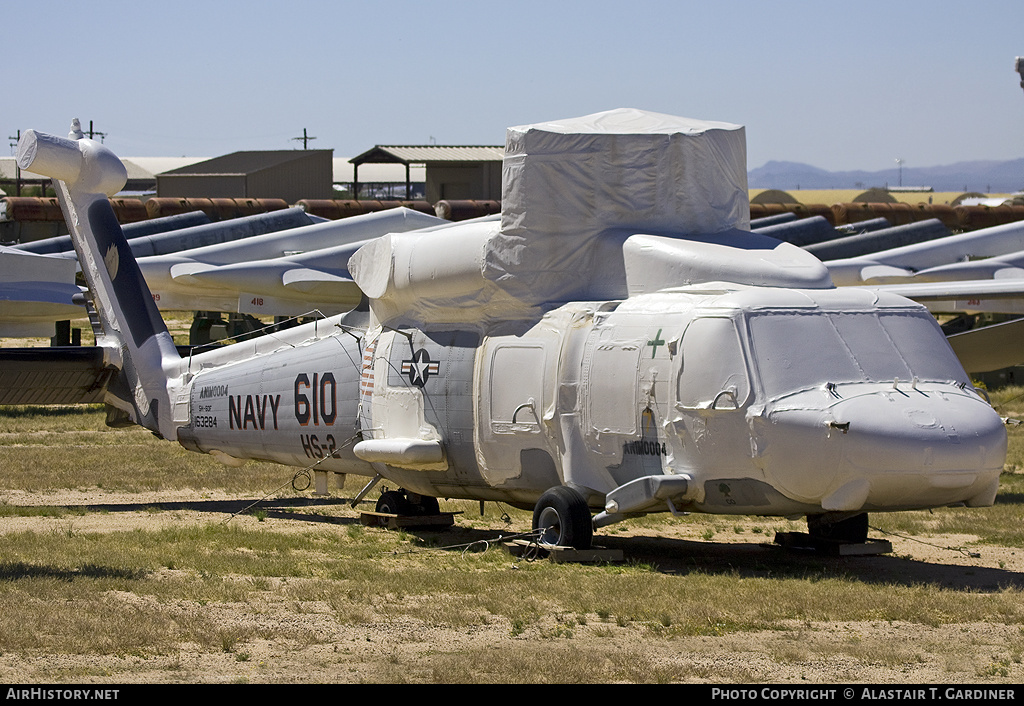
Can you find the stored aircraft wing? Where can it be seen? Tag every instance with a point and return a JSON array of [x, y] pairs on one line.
[[295, 283], [991, 347], [1004, 295], [283, 273], [282, 263], [903, 263], [35, 291], [976, 272]]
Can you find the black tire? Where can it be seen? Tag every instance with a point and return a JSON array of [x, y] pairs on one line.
[[563, 519], [853, 530], [427, 506], [393, 502]]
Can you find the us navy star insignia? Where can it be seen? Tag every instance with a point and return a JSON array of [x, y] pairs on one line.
[[420, 368]]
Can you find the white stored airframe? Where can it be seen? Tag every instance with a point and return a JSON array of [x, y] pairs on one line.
[[35, 291], [618, 343]]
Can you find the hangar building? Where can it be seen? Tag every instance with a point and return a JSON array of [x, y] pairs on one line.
[[451, 172], [280, 174]]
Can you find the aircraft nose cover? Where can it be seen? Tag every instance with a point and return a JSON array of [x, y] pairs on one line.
[[925, 434], [888, 450]]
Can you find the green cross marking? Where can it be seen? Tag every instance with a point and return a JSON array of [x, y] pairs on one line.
[[655, 343]]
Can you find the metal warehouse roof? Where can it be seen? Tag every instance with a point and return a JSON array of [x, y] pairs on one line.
[[408, 154], [149, 167], [246, 162], [137, 167], [344, 172], [152, 166], [9, 170]]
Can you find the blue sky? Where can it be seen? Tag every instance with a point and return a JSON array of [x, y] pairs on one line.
[[836, 85]]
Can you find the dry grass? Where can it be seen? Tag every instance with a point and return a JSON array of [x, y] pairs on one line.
[[310, 585], [222, 588], [69, 447]]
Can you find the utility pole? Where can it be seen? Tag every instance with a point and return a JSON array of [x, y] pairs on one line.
[[17, 167], [305, 139]]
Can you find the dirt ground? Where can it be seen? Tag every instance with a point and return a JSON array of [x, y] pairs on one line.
[[397, 650]]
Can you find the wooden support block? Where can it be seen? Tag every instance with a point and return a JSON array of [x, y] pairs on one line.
[[320, 481], [801, 540], [392, 521]]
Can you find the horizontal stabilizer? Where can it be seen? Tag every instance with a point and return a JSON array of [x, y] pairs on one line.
[[67, 375]]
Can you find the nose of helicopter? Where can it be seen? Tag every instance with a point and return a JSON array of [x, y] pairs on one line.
[[887, 449]]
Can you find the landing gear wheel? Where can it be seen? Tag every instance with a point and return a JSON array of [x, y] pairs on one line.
[[563, 518], [425, 505], [402, 502], [394, 502], [852, 530]]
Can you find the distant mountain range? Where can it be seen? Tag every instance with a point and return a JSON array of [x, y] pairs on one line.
[[981, 176]]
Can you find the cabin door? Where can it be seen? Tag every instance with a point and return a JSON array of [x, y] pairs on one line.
[[513, 401]]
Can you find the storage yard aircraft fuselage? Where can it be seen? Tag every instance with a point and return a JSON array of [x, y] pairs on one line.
[[707, 396]]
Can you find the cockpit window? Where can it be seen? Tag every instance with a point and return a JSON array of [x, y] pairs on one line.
[[714, 372], [922, 344], [871, 346], [798, 350]]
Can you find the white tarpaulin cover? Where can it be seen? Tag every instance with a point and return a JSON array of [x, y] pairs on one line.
[[574, 191], [566, 182]]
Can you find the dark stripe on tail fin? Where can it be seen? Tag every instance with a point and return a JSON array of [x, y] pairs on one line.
[[142, 318]]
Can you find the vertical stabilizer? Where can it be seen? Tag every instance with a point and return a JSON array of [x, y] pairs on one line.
[[84, 174]]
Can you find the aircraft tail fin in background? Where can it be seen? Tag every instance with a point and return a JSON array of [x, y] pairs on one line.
[[84, 174]]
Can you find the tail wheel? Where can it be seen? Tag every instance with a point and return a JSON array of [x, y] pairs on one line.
[[563, 519], [852, 530]]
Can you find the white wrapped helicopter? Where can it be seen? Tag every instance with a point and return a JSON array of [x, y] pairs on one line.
[[618, 343]]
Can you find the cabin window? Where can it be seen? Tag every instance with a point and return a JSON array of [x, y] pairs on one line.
[[516, 385]]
